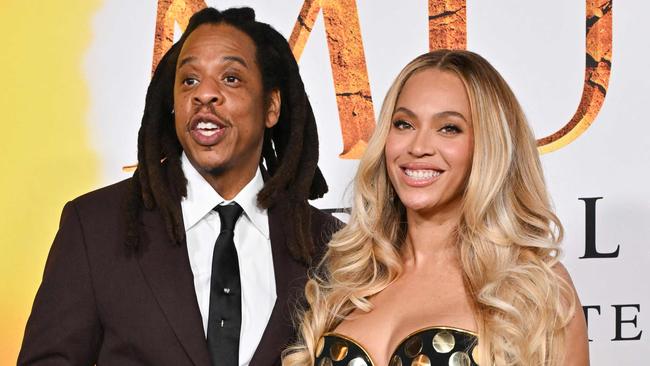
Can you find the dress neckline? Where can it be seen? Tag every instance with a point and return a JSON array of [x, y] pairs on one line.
[[395, 349]]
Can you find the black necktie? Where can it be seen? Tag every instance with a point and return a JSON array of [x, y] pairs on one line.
[[224, 319]]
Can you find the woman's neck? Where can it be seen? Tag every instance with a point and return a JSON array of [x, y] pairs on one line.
[[430, 236]]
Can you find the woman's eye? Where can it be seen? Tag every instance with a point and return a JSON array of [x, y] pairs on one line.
[[400, 124], [450, 129]]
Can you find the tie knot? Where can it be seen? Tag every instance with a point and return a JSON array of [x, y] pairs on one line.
[[229, 215]]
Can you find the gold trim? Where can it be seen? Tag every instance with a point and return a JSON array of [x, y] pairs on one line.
[[441, 328]]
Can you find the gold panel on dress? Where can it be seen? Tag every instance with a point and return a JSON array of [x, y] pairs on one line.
[[395, 361], [443, 342], [413, 346], [357, 361], [421, 360], [320, 346], [338, 351], [459, 359]]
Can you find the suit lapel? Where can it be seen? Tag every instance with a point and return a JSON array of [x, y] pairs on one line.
[[290, 277], [166, 268]]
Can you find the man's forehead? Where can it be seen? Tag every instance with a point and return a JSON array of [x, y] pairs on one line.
[[222, 41]]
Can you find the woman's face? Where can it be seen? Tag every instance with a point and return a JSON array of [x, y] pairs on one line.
[[430, 144]]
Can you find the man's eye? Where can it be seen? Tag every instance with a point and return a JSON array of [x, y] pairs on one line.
[[400, 124], [450, 129], [231, 79], [190, 81]]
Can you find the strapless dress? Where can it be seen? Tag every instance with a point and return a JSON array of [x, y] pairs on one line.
[[434, 346]]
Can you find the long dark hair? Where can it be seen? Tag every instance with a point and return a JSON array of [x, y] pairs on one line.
[[289, 151]]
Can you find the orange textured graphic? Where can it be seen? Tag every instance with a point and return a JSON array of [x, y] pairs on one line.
[[349, 71], [447, 24], [598, 67], [170, 12], [304, 25]]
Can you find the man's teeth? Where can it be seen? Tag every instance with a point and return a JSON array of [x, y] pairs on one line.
[[422, 173], [207, 129], [206, 126]]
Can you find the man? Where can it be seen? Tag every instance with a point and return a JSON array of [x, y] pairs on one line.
[[200, 257]]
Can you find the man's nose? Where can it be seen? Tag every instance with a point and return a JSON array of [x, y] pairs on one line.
[[208, 93], [422, 143]]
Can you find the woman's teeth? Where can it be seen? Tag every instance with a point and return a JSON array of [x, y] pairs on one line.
[[422, 173]]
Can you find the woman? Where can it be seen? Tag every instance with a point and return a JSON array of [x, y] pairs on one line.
[[451, 253]]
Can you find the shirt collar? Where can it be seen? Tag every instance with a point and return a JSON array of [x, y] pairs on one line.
[[202, 198]]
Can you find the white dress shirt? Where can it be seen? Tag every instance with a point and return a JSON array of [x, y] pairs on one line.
[[202, 226]]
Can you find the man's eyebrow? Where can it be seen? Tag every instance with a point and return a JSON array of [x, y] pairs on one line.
[[186, 60], [236, 59]]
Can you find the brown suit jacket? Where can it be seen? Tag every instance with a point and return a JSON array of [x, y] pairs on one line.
[[99, 304]]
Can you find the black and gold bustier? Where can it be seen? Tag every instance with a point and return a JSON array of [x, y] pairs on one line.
[[435, 346]]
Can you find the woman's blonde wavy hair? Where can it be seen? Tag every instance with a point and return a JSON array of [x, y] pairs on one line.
[[508, 236]]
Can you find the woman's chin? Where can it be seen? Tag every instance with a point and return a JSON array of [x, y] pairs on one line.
[[431, 208], [419, 206]]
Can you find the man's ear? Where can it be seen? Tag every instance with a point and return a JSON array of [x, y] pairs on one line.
[[273, 108]]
